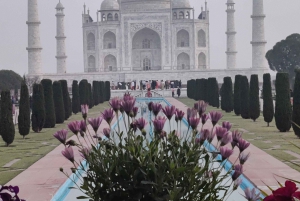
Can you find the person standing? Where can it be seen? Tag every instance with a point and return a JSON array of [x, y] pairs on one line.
[[173, 94], [132, 85], [179, 83], [178, 91], [162, 85]]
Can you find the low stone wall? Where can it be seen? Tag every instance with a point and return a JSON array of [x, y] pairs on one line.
[[155, 93]]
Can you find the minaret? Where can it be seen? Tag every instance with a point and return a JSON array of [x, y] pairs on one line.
[[231, 45], [34, 45], [258, 35], [60, 39]]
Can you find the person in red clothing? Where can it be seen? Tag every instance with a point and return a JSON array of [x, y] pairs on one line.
[[148, 94]]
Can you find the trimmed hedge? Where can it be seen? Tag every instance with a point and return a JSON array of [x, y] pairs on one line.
[[75, 97], [91, 100], [215, 92], [296, 105], [283, 108], [38, 108], [102, 92], [24, 111], [49, 104], [83, 92], [58, 103], [7, 127], [268, 106], [245, 98], [107, 90], [64, 88], [254, 106], [197, 94], [227, 95], [95, 93], [237, 95]]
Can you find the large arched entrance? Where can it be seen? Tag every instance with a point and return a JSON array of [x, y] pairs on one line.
[[146, 50], [183, 61], [110, 63], [201, 61]]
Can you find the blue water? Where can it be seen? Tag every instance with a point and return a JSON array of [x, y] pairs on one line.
[[66, 194]]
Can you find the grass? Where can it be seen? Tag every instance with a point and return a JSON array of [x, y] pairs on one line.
[[266, 138], [34, 146]]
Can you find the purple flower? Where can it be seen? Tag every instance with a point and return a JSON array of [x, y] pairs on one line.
[[156, 108], [204, 118], [201, 107], [135, 111], [191, 112], [134, 126], [227, 125], [95, 123], [84, 110], [204, 134], [179, 114], [141, 123], [242, 145], [150, 106], [128, 106], [211, 136], [238, 170], [251, 195], [215, 117], [115, 104], [74, 127], [8, 193], [196, 105], [227, 138], [61, 135], [237, 183], [82, 126], [69, 154], [169, 111], [236, 136], [225, 153], [220, 132], [243, 158], [128, 97], [106, 132], [108, 115], [121, 106], [84, 152], [159, 124], [194, 122]]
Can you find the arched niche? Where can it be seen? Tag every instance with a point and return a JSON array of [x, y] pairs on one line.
[[110, 63], [91, 43], [183, 38], [183, 61], [109, 40], [201, 38], [201, 61]]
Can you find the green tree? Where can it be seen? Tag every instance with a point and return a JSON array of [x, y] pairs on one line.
[[227, 95], [24, 110], [9, 80], [198, 92], [237, 95], [285, 56], [49, 104], [58, 103], [38, 108], [95, 93], [83, 92], [193, 89], [215, 92], [245, 97], [283, 108], [268, 106], [102, 92], [188, 89], [107, 90], [91, 100], [75, 97], [65, 92], [254, 106], [296, 105], [209, 90]]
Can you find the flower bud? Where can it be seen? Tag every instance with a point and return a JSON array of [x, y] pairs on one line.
[[144, 132], [73, 170], [61, 169]]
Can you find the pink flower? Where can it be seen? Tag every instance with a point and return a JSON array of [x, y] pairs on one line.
[[211, 136], [61, 135], [194, 122], [227, 125], [115, 104], [74, 127], [169, 111], [225, 153], [196, 105], [135, 111], [82, 126], [68, 153], [243, 158], [220, 132], [84, 110], [128, 97], [215, 117], [236, 136], [252, 195], [108, 115], [179, 114], [141, 123], [95, 123], [242, 145], [191, 112], [159, 124], [156, 108], [106, 132], [128, 106], [204, 118], [204, 134], [201, 107], [227, 138], [84, 152], [238, 170], [121, 106]]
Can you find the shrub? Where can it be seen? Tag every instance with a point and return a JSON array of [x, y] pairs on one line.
[[215, 93], [24, 111], [268, 106], [38, 108], [245, 97], [95, 93], [227, 95], [188, 89], [101, 92], [296, 105], [65, 93], [70, 106], [107, 90], [91, 100], [205, 90], [7, 126], [83, 92], [254, 106], [49, 104], [283, 108], [193, 89], [237, 95], [197, 90], [209, 90], [58, 103], [75, 97]]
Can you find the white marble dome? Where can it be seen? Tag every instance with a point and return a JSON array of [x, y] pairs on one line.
[[181, 4], [110, 5]]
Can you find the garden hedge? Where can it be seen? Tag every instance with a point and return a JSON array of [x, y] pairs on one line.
[[268, 105], [50, 118], [254, 105]]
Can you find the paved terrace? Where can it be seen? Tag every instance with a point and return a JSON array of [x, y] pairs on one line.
[[43, 179]]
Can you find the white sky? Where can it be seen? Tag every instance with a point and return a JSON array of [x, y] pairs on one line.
[[283, 19]]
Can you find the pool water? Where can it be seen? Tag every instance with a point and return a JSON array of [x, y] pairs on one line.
[[66, 194]]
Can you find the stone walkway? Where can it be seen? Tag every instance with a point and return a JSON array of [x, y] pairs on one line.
[[42, 180]]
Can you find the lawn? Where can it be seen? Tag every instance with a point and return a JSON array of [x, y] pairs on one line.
[[34, 146], [266, 138]]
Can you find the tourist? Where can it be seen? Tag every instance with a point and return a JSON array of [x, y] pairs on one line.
[[172, 84], [144, 84], [132, 85], [148, 94], [162, 85], [148, 85], [178, 91], [173, 93], [113, 85], [153, 84], [157, 84], [179, 83], [13, 102]]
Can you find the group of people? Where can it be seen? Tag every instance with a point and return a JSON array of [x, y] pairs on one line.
[[146, 84]]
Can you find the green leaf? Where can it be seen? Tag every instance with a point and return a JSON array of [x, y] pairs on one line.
[[82, 197]]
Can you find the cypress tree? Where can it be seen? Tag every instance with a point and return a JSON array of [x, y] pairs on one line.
[[188, 89], [49, 104], [83, 92], [283, 108], [7, 130], [245, 97], [38, 108], [197, 89], [24, 110], [107, 86], [102, 96], [193, 89], [209, 90], [205, 90], [91, 100], [215, 93], [254, 106], [237, 95], [95, 93], [227, 95], [268, 106], [70, 106], [296, 104], [58, 103], [64, 88], [75, 97]]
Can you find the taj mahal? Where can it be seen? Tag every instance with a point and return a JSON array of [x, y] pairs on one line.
[[146, 40]]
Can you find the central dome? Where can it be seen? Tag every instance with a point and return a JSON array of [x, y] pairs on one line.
[[110, 5], [181, 4]]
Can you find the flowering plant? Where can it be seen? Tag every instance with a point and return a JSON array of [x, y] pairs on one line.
[[9, 193], [145, 161]]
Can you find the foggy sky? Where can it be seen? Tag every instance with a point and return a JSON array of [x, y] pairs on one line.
[[283, 19]]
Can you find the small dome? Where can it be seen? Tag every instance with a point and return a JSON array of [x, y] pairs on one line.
[[59, 6], [110, 5], [181, 4], [230, 1]]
